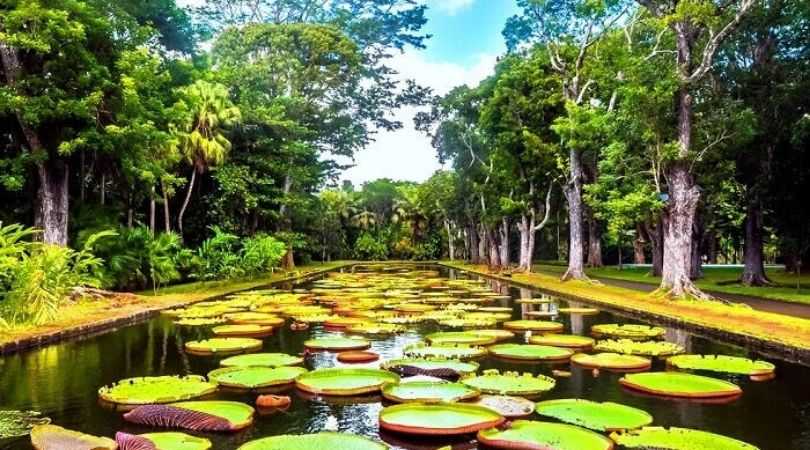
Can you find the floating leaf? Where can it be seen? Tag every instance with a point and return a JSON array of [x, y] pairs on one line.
[[151, 390], [345, 382], [20, 423], [641, 348], [262, 359], [678, 439], [195, 416], [530, 352], [510, 383], [438, 420], [255, 377], [596, 416], [721, 363], [677, 384], [525, 434], [52, 437], [429, 392], [317, 441], [612, 361], [627, 331]]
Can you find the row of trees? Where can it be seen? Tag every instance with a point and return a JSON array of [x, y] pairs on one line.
[[675, 126]]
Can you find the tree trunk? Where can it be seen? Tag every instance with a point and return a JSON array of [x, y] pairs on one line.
[[524, 259], [754, 271], [711, 248], [483, 245], [289, 259], [103, 189], [678, 220], [638, 246], [594, 241], [472, 236], [167, 218], [186, 201], [152, 211], [655, 233], [451, 248], [576, 242], [696, 271], [504, 247], [51, 214], [494, 253]]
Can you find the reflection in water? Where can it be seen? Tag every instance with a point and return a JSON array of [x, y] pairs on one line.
[[62, 382]]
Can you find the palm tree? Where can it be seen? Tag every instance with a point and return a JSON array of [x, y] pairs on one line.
[[201, 137]]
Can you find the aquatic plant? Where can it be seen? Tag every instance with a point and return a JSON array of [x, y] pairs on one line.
[[534, 325], [612, 361], [317, 441], [678, 439], [724, 364], [677, 384], [255, 377], [441, 368], [526, 434], [223, 346], [463, 352], [195, 415], [510, 383], [627, 331], [643, 348], [345, 382], [151, 390], [507, 405], [429, 392], [336, 344], [20, 423], [52, 437], [606, 416], [438, 419], [262, 359], [459, 338], [161, 441], [530, 352], [257, 331], [563, 340]]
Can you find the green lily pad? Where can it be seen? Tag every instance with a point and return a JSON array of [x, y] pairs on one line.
[[642, 348], [164, 441], [530, 352], [262, 360], [620, 331], [527, 434], [429, 392], [724, 364], [459, 338], [510, 383], [563, 340], [255, 377], [499, 335], [319, 441], [337, 344], [345, 382], [612, 361], [428, 365], [677, 384], [462, 352], [678, 439], [156, 390], [20, 423], [247, 330], [52, 437], [199, 322], [438, 420], [596, 416], [375, 329], [534, 325], [583, 311], [223, 346]]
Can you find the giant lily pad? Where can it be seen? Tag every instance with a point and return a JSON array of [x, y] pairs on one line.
[[195, 415], [530, 352], [596, 416], [52, 437], [678, 439], [573, 341], [507, 405], [643, 348], [677, 384], [463, 352], [534, 325], [262, 359], [510, 383], [460, 338], [442, 368], [255, 377], [499, 335], [375, 329], [19, 423], [635, 332], [314, 442], [725, 364], [223, 346], [336, 344], [438, 420], [246, 330], [161, 441], [155, 390], [345, 382], [429, 392], [531, 435], [612, 361], [582, 311]]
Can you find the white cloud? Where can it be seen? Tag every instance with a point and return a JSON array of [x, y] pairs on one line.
[[450, 7], [406, 154]]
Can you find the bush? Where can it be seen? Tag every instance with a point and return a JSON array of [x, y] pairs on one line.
[[367, 247], [227, 256], [261, 253]]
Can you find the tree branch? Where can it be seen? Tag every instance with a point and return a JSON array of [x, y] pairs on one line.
[[715, 40]]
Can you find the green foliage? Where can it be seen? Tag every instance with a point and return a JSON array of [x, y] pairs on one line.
[[227, 256], [368, 247]]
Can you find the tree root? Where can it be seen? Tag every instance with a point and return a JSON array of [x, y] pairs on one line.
[[572, 275]]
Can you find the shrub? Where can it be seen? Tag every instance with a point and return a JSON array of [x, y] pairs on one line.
[[367, 247], [261, 253], [227, 256]]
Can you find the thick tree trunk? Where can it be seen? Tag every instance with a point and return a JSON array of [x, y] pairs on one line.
[[186, 201], [524, 230], [472, 236], [678, 221], [494, 253], [711, 247], [754, 271], [504, 247], [698, 228], [451, 246], [576, 242], [289, 259], [594, 240], [483, 245], [52, 201], [638, 246]]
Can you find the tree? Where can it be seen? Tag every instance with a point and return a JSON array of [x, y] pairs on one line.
[[207, 113]]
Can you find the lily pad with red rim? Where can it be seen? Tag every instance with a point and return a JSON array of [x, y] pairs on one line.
[[317, 441], [510, 383], [429, 392], [444, 368], [223, 346], [247, 330], [438, 419], [678, 439], [156, 390], [534, 325], [531, 435], [612, 361], [572, 341], [724, 364], [255, 377], [596, 416], [262, 359], [345, 381], [336, 344], [530, 352], [678, 384], [641, 348], [161, 441], [52, 437], [214, 415], [460, 338]]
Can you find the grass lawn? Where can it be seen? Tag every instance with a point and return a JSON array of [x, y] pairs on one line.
[[716, 279], [88, 312], [732, 319]]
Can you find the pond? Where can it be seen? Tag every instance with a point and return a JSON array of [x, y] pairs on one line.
[[62, 382]]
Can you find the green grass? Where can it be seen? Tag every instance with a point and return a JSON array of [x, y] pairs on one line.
[[715, 279]]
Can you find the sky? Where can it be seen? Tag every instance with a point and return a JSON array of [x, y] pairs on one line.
[[455, 55]]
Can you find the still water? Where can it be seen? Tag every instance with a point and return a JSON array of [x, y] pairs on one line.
[[62, 381]]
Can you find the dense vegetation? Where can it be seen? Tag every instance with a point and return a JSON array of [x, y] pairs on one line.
[[165, 144]]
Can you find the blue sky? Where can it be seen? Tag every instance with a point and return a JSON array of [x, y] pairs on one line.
[[465, 45]]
